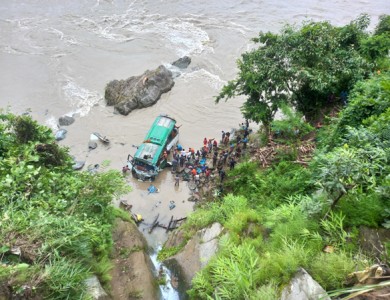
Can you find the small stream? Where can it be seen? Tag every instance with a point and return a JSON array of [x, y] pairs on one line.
[[157, 205], [167, 290]]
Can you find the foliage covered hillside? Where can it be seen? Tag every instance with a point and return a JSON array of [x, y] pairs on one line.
[[55, 223], [305, 215]]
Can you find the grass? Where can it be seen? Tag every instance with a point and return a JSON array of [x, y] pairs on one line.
[[165, 252], [331, 269], [126, 252]]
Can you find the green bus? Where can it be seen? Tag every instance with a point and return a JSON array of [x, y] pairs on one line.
[[151, 156]]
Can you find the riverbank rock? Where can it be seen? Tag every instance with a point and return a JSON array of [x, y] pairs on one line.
[[78, 164], [195, 255], [66, 121], [132, 276], [60, 134], [138, 91], [303, 287]]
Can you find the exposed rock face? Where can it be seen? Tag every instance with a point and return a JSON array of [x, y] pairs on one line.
[[139, 91], [195, 255], [303, 287], [95, 290], [132, 277]]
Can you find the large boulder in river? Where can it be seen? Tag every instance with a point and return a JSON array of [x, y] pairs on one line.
[[139, 91], [132, 275], [195, 255]]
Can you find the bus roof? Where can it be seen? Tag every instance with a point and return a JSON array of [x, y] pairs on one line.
[[160, 130], [149, 153]]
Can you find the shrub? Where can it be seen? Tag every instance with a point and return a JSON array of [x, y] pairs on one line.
[[233, 274], [267, 291], [331, 269], [362, 209], [291, 127]]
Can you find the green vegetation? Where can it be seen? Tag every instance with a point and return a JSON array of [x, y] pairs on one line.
[[306, 67], [55, 223], [308, 214]]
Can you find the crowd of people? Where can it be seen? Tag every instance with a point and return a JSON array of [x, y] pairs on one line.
[[211, 160]]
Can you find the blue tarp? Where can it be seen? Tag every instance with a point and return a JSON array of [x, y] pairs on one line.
[[152, 189]]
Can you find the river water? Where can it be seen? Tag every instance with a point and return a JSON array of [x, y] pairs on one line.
[[56, 58]]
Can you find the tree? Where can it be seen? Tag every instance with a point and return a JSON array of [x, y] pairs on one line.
[[303, 67], [376, 47]]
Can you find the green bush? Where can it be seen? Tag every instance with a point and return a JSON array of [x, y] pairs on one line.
[[362, 209], [233, 273], [64, 279], [238, 222], [291, 127], [331, 269], [267, 291], [368, 98], [287, 220], [282, 263], [268, 187]]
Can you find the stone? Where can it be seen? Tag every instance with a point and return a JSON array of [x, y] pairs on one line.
[[132, 274], [78, 165], [182, 63], [303, 287], [138, 91], [195, 255], [66, 120], [92, 145], [60, 134], [95, 290], [212, 232]]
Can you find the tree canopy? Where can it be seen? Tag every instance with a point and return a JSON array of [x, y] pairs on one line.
[[305, 67]]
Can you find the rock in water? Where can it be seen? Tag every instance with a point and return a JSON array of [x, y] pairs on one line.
[[60, 134], [65, 120], [138, 91], [92, 145], [182, 63]]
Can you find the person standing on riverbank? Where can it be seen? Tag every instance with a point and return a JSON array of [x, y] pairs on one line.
[[232, 163], [215, 157], [222, 174]]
